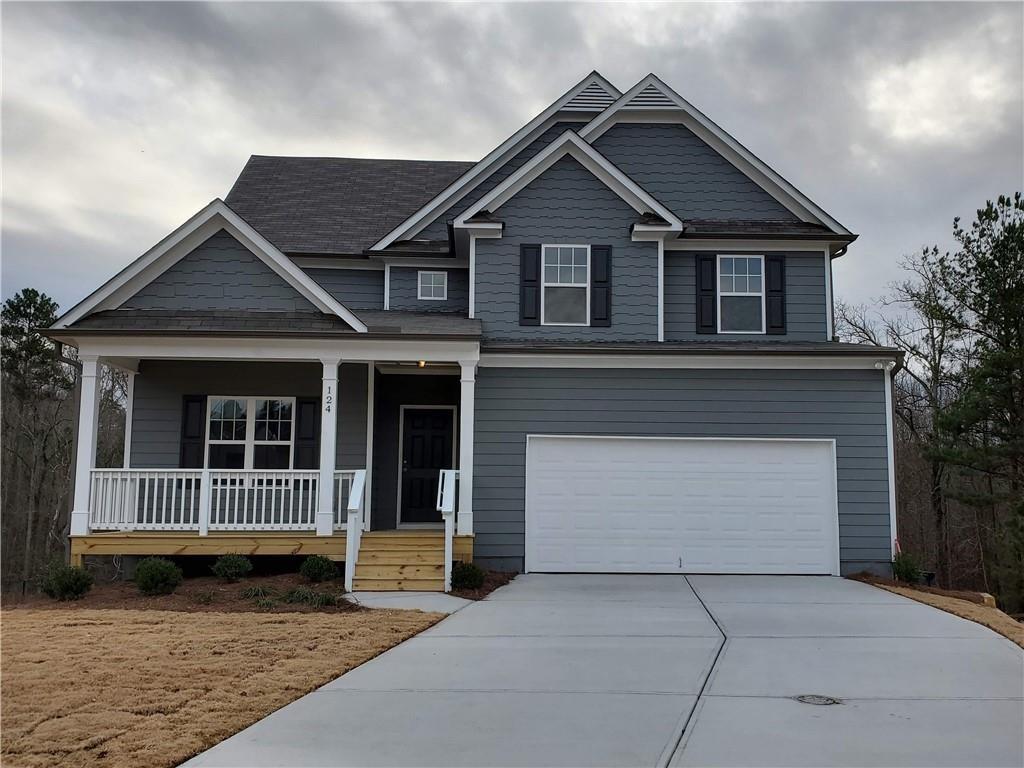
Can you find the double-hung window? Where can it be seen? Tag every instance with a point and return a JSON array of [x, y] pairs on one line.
[[741, 294], [432, 286], [565, 285], [250, 432]]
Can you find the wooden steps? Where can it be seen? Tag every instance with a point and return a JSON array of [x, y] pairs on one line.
[[400, 561]]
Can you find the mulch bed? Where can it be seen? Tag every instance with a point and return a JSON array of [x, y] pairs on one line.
[[492, 580], [198, 595], [971, 597]]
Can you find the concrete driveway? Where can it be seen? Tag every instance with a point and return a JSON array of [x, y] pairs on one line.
[[581, 670]]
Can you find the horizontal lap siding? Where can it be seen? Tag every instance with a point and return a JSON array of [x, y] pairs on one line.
[[805, 299], [848, 406], [160, 386], [355, 288], [568, 205], [404, 286]]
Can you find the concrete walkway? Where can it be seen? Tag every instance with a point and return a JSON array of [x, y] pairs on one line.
[[633, 671]]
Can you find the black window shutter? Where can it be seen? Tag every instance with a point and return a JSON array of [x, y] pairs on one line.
[[307, 433], [775, 293], [529, 284], [193, 431], [706, 279], [601, 286]]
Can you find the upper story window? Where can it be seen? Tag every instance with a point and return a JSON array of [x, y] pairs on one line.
[[250, 432], [741, 306], [565, 285], [433, 286]]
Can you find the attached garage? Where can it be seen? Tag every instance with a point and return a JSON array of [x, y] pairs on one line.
[[681, 505]]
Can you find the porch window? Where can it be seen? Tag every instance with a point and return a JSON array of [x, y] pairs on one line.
[[565, 285], [250, 432]]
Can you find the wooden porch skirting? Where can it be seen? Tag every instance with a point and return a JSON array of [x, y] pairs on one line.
[[242, 543]]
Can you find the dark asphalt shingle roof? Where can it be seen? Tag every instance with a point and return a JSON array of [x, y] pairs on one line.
[[335, 205]]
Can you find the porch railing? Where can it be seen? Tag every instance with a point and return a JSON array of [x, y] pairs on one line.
[[446, 496], [354, 528]]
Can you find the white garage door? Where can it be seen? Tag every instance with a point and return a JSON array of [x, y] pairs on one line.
[[649, 505]]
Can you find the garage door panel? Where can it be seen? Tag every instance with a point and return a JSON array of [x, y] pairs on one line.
[[680, 505]]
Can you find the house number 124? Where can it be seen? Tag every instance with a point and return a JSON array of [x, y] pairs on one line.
[[329, 399]]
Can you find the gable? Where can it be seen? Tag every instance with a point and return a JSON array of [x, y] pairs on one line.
[[220, 274], [687, 175]]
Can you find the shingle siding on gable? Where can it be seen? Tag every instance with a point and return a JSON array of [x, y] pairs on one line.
[[355, 288], [567, 204], [438, 229], [220, 274], [405, 289], [805, 300], [686, 175]]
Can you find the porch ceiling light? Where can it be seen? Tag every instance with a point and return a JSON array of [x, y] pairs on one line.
[[422, 363]]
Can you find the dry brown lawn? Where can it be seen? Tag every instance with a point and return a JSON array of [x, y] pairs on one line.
[[89, 687]]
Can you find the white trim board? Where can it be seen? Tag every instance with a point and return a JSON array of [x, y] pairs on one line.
[[750, 361], [508, 148], [401, 453], [182, 241]]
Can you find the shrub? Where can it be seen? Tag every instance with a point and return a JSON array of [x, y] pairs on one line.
[[906, 568], [310, 597], [157, 576], [66, 582], [205, 597], [232, 567], [318, 568], [467, 576], [257, 592], [264, 604]]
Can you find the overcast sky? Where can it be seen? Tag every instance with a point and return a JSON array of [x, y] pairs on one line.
[[122, 120]]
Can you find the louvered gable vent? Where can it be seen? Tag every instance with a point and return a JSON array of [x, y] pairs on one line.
[[590, 99]]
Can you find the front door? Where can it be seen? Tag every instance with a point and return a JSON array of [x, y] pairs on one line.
[[428, 436]]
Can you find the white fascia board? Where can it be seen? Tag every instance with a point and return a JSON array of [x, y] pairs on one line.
[[503, 151], [207, 222], [709, 131], [751, 361], [730, 244], [569, 143]]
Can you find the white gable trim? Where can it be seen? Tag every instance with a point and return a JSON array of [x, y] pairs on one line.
[[182, 241], [501, 153], [639, 103], [569, 143]]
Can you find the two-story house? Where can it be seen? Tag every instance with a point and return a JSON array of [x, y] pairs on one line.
[[605, 347]]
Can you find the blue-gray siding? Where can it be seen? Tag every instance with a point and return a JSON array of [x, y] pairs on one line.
[[685, 174], [438, 229], [848, 406], [806, 304], [220, 274], [355, 288], [405, 290], [160, 386], [568, 205]]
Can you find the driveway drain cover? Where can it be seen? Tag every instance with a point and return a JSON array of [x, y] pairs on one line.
[[814, 698]]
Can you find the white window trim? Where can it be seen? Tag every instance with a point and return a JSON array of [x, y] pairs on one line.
[[250, 441], [419, 285], [719, 293], [544, 284]]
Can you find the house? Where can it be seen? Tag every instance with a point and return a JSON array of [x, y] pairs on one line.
[[606, 346]]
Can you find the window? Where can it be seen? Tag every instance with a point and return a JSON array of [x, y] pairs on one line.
[[741, 294], [565, 285], [250, 433], [433, 286]]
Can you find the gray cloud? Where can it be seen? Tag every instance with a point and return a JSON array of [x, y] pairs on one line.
[[121, 120]]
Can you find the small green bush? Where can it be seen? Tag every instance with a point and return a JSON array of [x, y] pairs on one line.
[[318, 568], [232, 567], [310, 597], [264, 604], [157, 576], [257, 592], [66, 582], [906, 568], [467, 576]]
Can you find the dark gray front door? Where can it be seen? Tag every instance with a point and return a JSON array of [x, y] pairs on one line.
[[427, 443]]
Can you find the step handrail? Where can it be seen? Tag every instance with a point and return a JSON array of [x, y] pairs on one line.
[[354, 527], [446, 506]]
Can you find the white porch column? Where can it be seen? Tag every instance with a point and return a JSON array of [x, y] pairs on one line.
[[129, 408], [328, 441], [467, 405], [88, 421]]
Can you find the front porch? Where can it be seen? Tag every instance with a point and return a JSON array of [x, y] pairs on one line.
[[354, 459]]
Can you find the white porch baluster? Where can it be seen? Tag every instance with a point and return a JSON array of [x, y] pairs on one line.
[[88, 417], [466, 408], [328, 442]]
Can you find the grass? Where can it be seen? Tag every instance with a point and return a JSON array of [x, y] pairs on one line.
[[115, 687]]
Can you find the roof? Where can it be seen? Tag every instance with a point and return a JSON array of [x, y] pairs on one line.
[[251, 323], [334, 205]]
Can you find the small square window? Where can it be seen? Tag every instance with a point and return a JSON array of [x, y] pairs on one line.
[[433, 286]]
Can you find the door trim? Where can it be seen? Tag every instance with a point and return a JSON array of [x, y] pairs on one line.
[[401, 452], [830, 441]]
